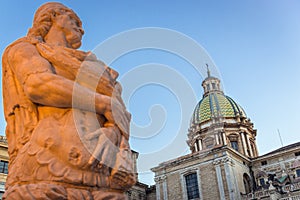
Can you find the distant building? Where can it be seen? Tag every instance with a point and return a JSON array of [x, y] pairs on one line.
[[140, 191], [224, 161], [3, 164]]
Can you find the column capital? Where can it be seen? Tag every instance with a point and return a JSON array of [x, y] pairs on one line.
[[224, 160], [160, 179]]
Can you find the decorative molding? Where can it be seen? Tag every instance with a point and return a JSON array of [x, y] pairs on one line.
[[189, 171], [160, 179], [219, 161]]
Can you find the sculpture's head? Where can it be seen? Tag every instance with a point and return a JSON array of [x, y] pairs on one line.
[[46, 15]]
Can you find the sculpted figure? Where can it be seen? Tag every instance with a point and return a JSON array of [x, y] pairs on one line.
[[67, 126]]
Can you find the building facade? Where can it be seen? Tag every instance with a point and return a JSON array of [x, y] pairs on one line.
[[3, 164], [140, 191], [224, 161]]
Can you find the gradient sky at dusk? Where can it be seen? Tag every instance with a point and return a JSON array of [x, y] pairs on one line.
[[254, 44]]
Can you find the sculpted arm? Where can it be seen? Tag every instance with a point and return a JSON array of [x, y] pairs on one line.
[[43, 86]]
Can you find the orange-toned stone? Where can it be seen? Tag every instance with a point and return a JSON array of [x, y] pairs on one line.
[[67, 126]]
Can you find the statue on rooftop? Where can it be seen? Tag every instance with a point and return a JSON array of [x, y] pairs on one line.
[[67, 126]]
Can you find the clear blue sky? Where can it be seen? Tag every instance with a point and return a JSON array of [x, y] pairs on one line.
[[254, 44]]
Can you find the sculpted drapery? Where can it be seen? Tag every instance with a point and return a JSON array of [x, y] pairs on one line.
[[67, 126]]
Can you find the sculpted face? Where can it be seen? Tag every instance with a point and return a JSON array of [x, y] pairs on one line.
[[73, 32]]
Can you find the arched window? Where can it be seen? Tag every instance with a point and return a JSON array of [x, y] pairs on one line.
[[234, 141], [214, 86], [234, 145], [208, 87], [247, 183], [209, 142], [261, 178]]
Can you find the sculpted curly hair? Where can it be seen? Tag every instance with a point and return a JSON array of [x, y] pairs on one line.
[[44, 16]]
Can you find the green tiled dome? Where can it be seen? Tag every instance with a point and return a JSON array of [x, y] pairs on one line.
[[214, 105]]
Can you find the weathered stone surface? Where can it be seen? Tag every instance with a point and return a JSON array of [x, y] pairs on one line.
[[67, 126]]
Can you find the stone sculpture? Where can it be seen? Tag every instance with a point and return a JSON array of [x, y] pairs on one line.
[[67, 126]]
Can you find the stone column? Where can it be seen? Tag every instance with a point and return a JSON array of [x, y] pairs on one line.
[[224, 138], [244, 144], [200, 144], [249, 145], [199, 184], [231, 179], [183, 187], [219, 179], [157, 186], [255, 150], [217, 139], [165, 187], [196, 146]]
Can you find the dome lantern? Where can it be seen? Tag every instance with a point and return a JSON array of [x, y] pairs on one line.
[[211, 84]]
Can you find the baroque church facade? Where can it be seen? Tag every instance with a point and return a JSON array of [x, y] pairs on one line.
[[224, 162]]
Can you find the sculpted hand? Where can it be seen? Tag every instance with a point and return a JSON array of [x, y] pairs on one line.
[[107, 147], [116, 113]]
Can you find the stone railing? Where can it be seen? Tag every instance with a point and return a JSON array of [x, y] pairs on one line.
[[297, 197], [256, 195], [291, 187]]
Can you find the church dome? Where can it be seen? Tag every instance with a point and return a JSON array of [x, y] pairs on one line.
[[219, 121], [216, 105]]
